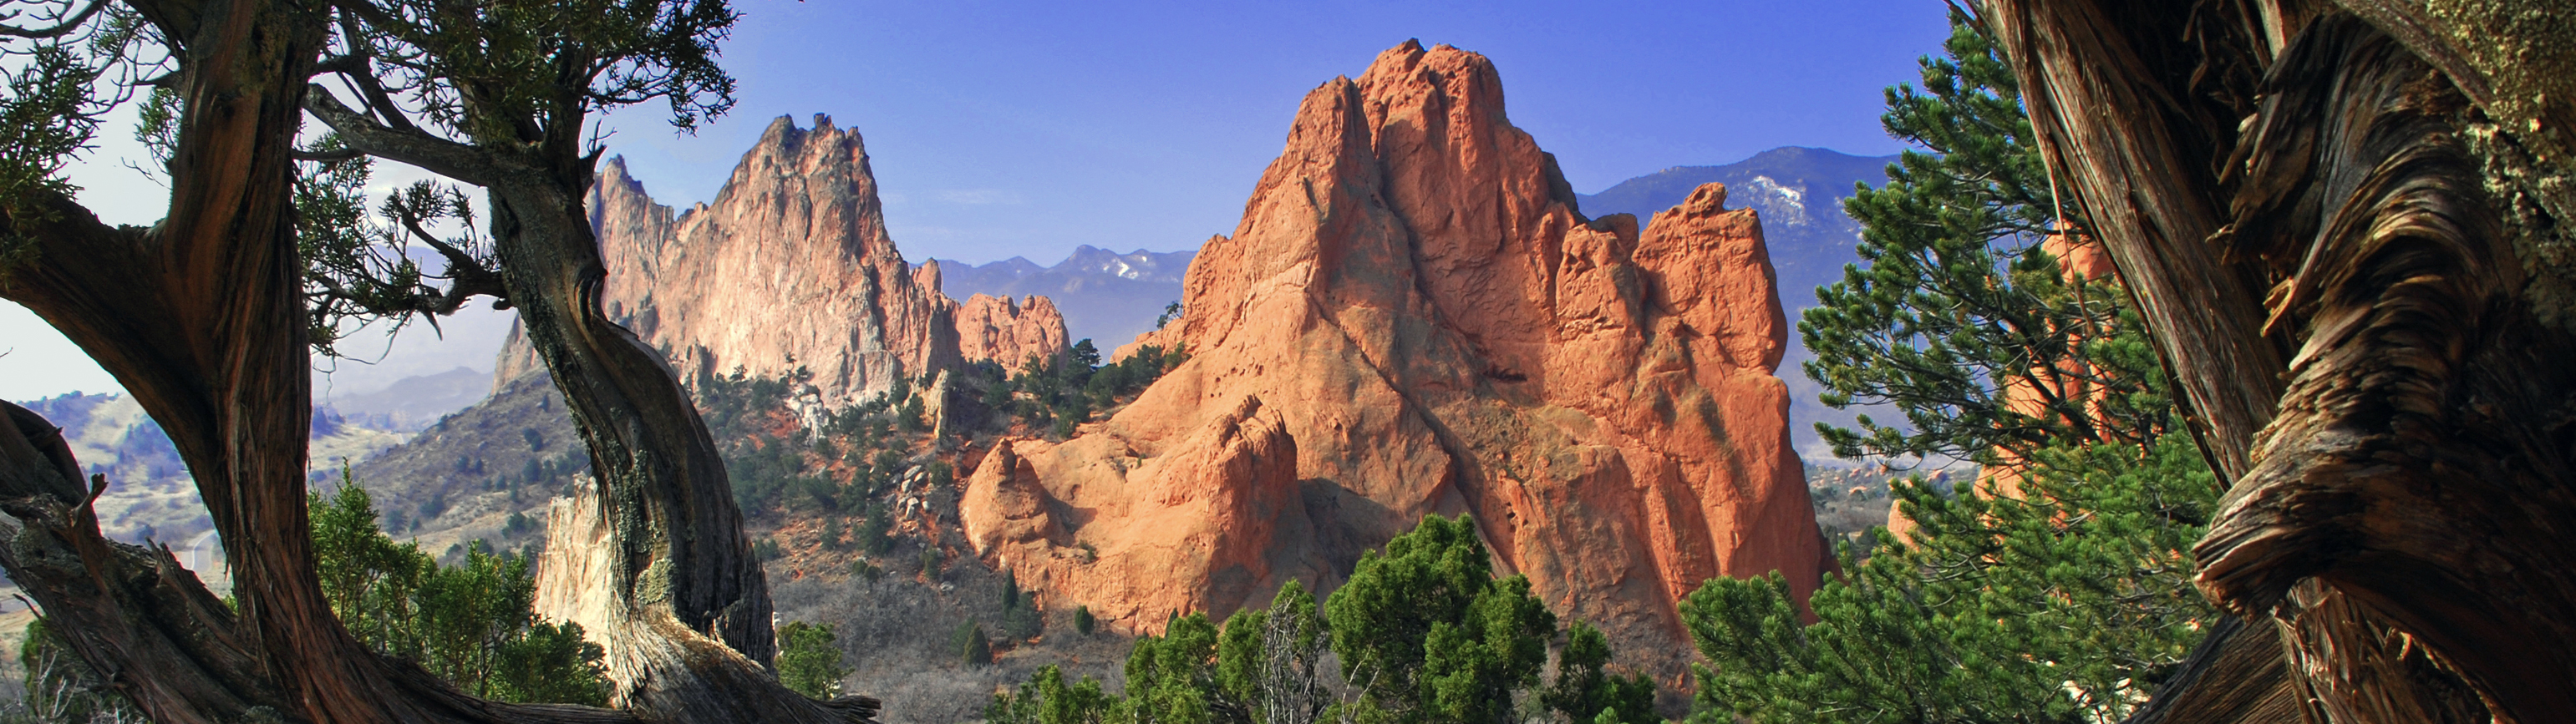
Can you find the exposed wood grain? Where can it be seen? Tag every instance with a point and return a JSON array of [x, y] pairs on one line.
[[2114, 120], [2402, 510]]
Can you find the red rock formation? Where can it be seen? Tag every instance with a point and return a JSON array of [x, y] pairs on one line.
[[995, 328], [1415, 313], [789, 267]]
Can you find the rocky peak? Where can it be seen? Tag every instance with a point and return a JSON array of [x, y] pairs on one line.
[[789, 267], [1425, 324]]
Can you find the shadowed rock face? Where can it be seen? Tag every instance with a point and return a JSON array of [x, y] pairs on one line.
[[789, 267], [1412, 318]]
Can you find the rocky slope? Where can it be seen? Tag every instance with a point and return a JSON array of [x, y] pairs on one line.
[[1413, 318], [790, 266], [1107, 297], [412, 403], [151, 497]]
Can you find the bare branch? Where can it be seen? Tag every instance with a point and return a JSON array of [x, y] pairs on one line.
[[56, 31]]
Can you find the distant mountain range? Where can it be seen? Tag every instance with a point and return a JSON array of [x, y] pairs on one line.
[[1799, 192], [1106, 297]]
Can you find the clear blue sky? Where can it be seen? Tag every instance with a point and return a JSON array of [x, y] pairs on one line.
[[999, 129], [1002, 129]]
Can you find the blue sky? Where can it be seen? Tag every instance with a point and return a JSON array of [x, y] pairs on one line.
[[1000, 129]]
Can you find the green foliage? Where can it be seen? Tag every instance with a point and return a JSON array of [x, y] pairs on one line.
[[1082, 620], [508, 71], [1437, 638], [1020, 619], [809, 662], [473, 624], [1171, 679], [1440, 640], [1959, 304], [57, 90], [1430, 631], [872, 535], [973, 646], [1585, 693], [1045, 699], [1270, 661], [2067, 598], [831, 535], [912, 417], [1062, 393], [2067, 603]]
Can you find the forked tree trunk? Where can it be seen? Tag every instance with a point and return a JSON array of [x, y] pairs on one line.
[[2330, 228], [202, 319]]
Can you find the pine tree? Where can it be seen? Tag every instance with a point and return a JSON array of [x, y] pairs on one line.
[[808, 660], [1959, 303], [2065, 597]]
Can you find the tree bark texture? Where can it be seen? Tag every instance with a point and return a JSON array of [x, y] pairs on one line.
[[2343, 245], [200, 318]]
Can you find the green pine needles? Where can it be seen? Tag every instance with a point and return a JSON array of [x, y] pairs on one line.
[[2068, 603], [2065, 596], [1959, 303]]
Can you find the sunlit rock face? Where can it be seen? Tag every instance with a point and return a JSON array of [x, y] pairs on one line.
[[998, 329], [1414, 318], [789, 267]]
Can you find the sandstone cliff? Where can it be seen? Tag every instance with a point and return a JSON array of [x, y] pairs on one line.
[[790, 266], [1413, 318]]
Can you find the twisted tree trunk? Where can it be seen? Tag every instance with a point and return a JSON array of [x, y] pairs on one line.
[[202, 318], [2339, 226], [675, 597]]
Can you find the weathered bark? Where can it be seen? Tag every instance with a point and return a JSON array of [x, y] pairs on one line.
[[200, 318], [2236, 675], [181, 659], [2392, 410]]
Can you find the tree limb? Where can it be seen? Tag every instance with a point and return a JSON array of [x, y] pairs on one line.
[[62, 29], [438, 155]]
